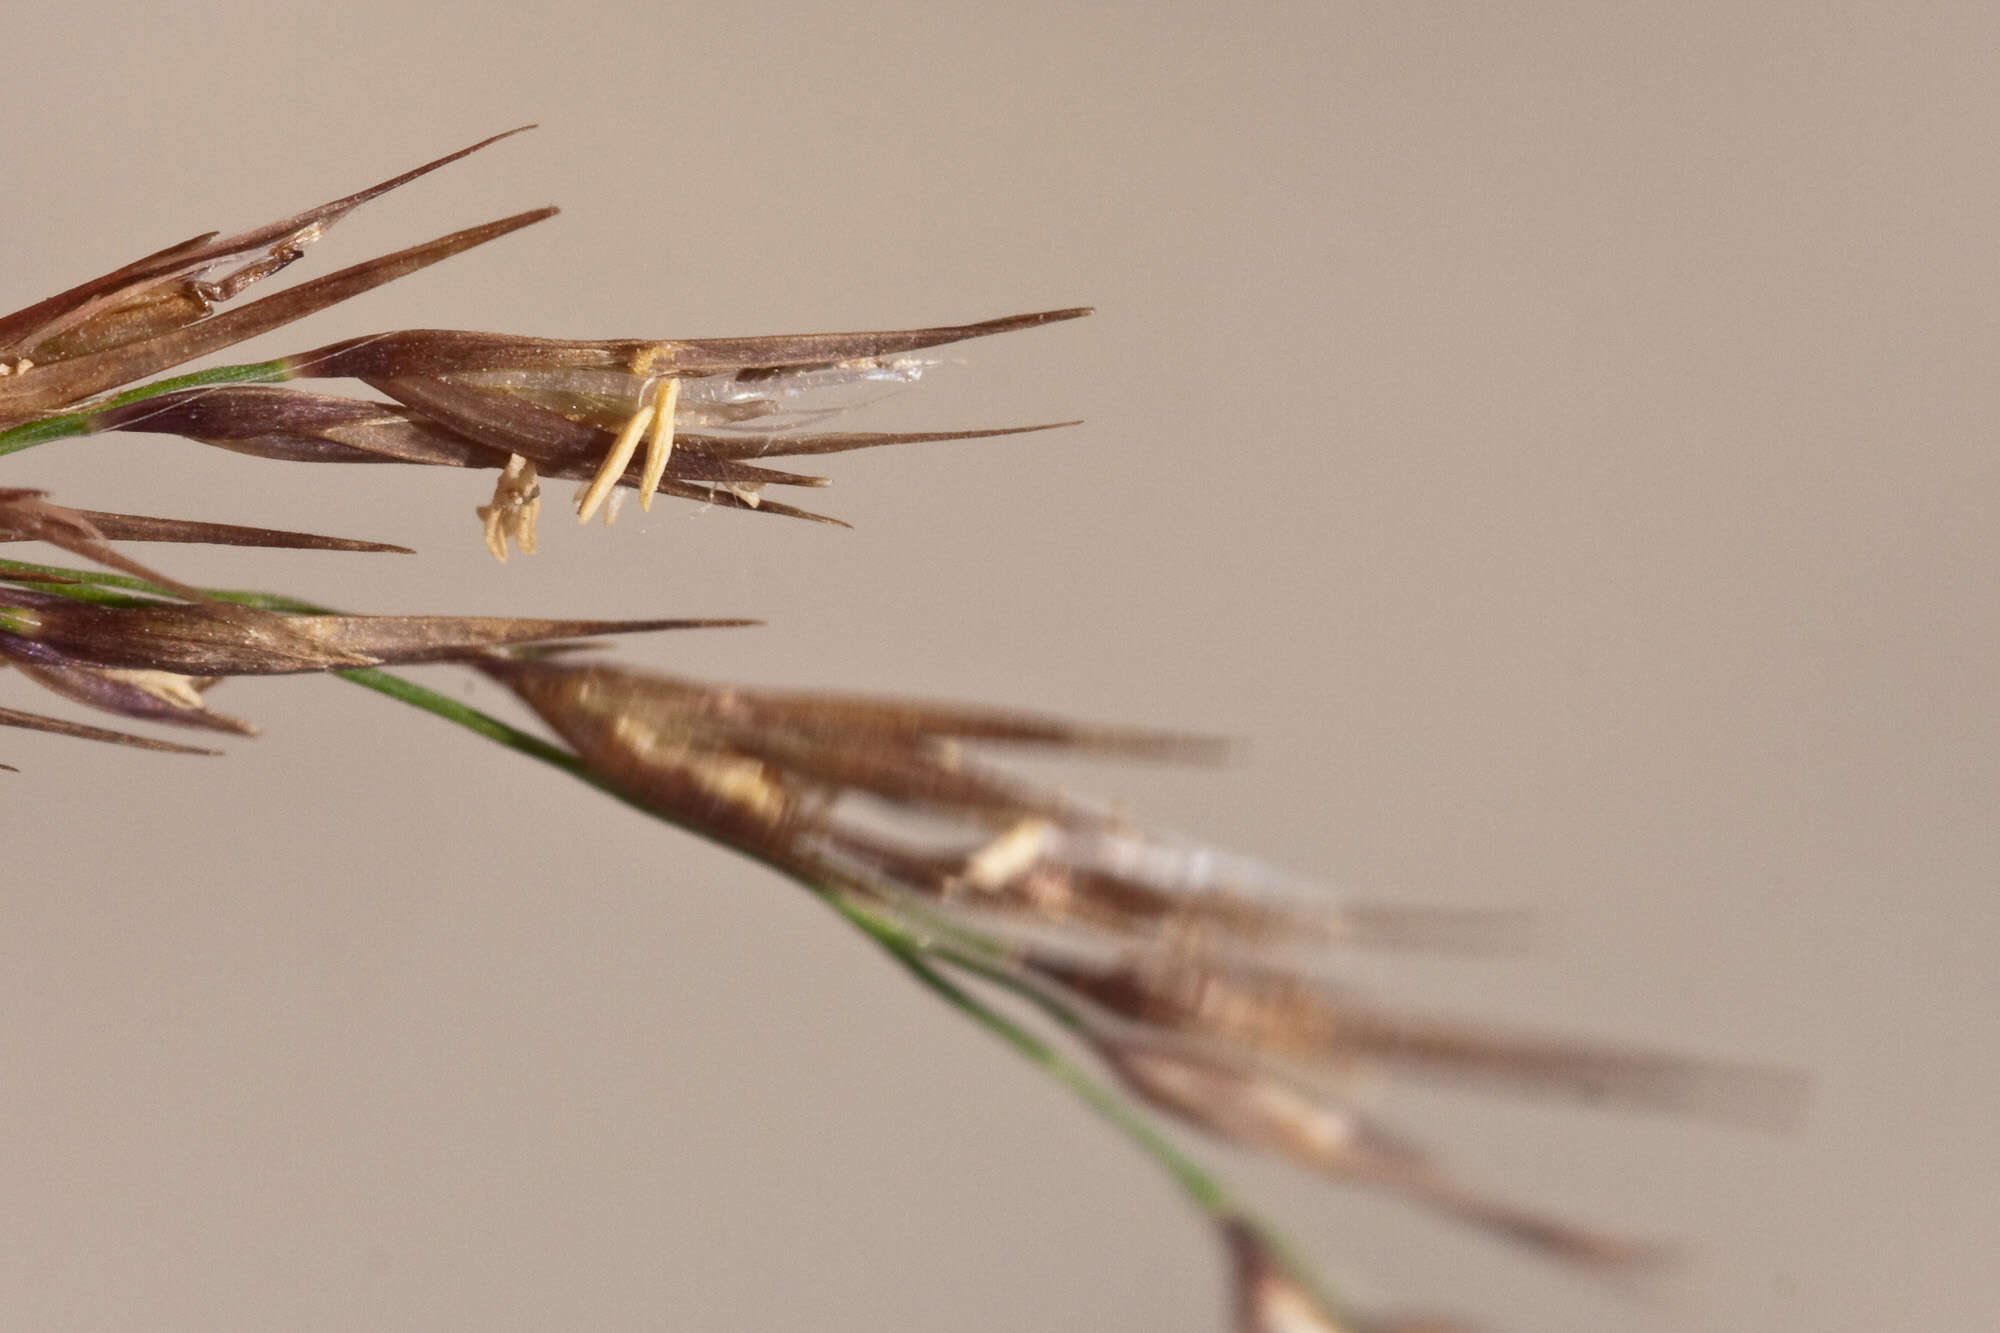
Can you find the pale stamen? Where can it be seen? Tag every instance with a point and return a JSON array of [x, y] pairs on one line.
[[517, 500], [615, 463], [660, 444]]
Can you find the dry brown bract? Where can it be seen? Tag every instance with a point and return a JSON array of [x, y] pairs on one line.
[[1166, 952]]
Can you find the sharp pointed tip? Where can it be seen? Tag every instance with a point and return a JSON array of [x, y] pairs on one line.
[[678, 623], [996, 432], [487, 142], [501, 226], [1015, 323], [718, 622], [1056, 316]]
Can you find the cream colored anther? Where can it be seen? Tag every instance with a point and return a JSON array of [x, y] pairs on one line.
[[614, 465], [1008, 856], [660, 444], [657, 414], [517, 499]]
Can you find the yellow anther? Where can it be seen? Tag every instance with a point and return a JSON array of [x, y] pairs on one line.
[[614, 465], [660, 444], [517, 499], [1008, 856], [168, 687]]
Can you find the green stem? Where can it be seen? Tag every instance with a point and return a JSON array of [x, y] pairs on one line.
[[1205, 1190], [914, 952], [91, 585], [905, 947], [465, 715], [31, 433]]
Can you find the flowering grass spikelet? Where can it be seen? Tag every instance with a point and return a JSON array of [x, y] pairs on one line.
[[1190, 983]]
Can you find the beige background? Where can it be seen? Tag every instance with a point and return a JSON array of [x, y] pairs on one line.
[[1559, 439]]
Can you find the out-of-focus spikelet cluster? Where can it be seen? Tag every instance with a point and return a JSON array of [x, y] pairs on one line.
[[1200, 982], [1197, 978]]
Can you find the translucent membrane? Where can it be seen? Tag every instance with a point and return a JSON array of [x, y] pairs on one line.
[[761, 400]]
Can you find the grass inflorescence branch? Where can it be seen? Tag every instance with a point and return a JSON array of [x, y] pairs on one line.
[[1176, 981]]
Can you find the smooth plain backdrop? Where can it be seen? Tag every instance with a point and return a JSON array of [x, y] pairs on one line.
[[1557, 439]]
